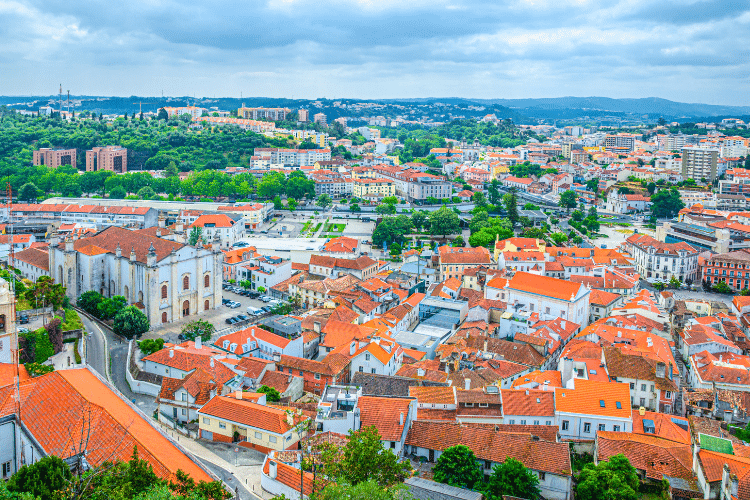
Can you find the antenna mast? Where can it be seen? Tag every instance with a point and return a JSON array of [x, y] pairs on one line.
[[59, 95]]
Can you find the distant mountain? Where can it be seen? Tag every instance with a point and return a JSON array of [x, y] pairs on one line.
[[653, 106]]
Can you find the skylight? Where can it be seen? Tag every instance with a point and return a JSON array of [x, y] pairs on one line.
[[601, 403], [619, 405]]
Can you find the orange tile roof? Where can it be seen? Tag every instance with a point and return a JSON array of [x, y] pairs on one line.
[[434, 395], [61, 408], [664, 426], [247, 413], [385, 414], [552, 378], [488, 444], [536, 403], [587, 395], [657, 457], [8, 373], [544, 285]]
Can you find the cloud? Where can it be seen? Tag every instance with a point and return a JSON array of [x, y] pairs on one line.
[[680, 49]]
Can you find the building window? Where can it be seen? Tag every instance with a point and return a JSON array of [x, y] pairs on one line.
[[565, 425], [549, 422], [602, 427], [6, 470], [186, 282], [317, 376], [206, 420], [163, 317], [258, 435], [587, 427], [616, 428], [643, 387], [164, 291], [536, 422], [183, 411], [361, 369], [367, 357], [511, 421], [669, 395], [542, 476], [206, 281], [523, 422], [372, 370], [632, 385], [222, 425], [272, 439], [183, 397]]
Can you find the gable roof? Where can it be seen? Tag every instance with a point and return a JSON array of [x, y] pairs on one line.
[[61, 408], [250, 414], [388, 415], [588, 395], [109, 238], [545, 285]]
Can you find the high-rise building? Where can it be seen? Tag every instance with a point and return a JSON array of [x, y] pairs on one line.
[[320, 118], [622, 142], [54, 157], [699, 163], [303, 115], [113, 158]]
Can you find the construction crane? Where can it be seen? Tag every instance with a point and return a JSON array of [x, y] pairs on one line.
[[140, 107]]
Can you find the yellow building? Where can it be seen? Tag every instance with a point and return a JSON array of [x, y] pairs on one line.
[[497, 168], [373, 187], [519, 245], [232, 419]]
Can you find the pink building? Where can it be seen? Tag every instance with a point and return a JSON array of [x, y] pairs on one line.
[[113, 158]]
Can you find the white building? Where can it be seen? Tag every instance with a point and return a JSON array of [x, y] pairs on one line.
[[378, 356], [550, 297], [167, 280], [221, 226], [592, 406], [658, 261]]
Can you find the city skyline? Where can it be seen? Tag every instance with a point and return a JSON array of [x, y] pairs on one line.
[[682, 51]]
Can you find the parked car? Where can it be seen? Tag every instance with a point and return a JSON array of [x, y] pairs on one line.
[[242, 317], [24, 320], [265, 298], [259, 312], [230, 321], [181, 336], [234, 305], [267, 308]]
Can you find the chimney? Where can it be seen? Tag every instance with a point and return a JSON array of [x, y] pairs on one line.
[[527, 392], [198, 344], [420, 372], [158, 233], [401, 419], [171, 353], [272, 469], [118, 251], [467, 383], [641, 411], [562, 324], [212, 362], [238, 394], [316, 326], [352, 348], [132, 254]]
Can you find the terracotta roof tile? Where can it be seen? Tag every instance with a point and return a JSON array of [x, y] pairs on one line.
[[388, 415]]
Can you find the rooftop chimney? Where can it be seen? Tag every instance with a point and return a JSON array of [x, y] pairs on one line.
[[401, 419], [238, 394], [420, 372], [198, 344], [171, 353], [467, 383]]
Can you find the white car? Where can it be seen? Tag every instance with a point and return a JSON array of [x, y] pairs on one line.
[[234, 305]]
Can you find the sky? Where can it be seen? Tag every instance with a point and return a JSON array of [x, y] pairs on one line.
[[683, 50]]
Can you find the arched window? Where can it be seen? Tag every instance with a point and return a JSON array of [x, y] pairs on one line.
[[163, 317], [186, 282], [207, 281], [205, 306], [164, 291], [186, 308]]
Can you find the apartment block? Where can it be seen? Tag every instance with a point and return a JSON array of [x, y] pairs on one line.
[[54, 157], [112, 158], [275, 114], [699, 163], [619, 142], [320, 118], [303, 115]]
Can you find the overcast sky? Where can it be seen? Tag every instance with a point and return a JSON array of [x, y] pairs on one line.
[[684, 50]]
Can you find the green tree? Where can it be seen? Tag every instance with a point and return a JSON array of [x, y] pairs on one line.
[[162, 115], [110, 306], [390, 200], [511, 478], [198, 328], [666, 203], [354, 207], [444, 221], [457, 466], [458, 241], [130, 323], [493, 192], [118, 193], [292, 204], [195, 235], [324, 201], [395, 250], [419, 219], [150, 346], [386, 209], [367, 490], [146, 193], [559, 238], [593, 184], [277, 205], [530, 206], [272, 395], [722, 287], [651, 187], [495, 228], [568, 200], [364, 458], [614, 479], [43, 479], [479, 199], [28, 192], [89, 302], [391, 229], [511, 207]]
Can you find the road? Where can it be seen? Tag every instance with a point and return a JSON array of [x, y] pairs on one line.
[[96, 347]]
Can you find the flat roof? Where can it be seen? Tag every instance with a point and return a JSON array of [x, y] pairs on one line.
[[286, 244]]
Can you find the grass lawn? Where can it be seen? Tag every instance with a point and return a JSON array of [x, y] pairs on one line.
[[22, 304], [334, 228]]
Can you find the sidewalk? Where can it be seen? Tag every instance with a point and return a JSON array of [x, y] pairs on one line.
[[248, 475]]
